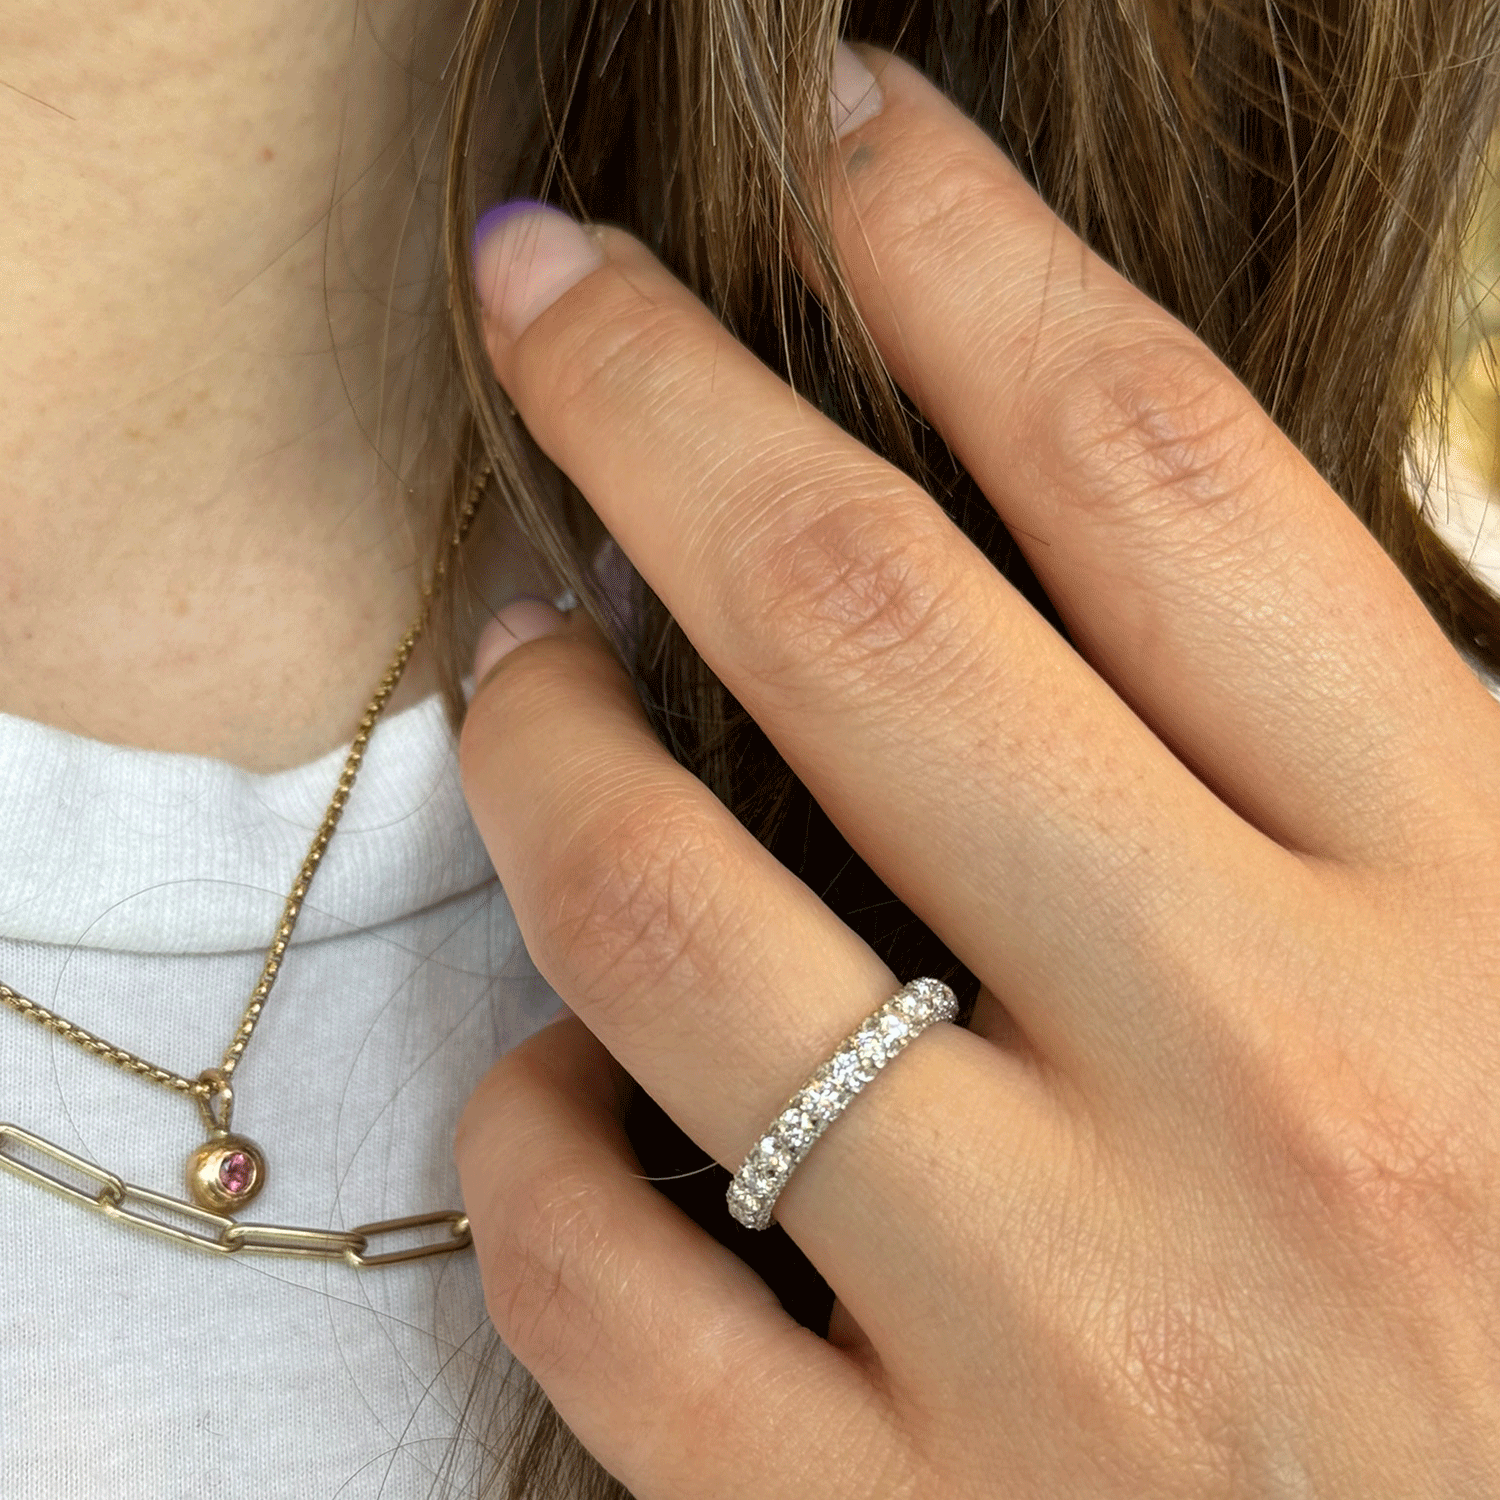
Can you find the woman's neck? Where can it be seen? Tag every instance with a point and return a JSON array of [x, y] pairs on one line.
[[199, 547]]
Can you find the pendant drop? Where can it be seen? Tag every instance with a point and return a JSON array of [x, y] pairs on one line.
[[225, 1172]]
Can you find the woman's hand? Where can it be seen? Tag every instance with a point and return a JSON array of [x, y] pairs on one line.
[[1212, 1207]]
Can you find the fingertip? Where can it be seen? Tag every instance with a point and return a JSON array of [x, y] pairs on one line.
[[491, 220], [522, 620], [525, 255], [854, 95]]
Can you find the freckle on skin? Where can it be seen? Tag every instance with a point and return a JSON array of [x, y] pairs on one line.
[[267, 154]]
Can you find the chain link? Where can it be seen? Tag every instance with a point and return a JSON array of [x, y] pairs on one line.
[[91, 1043], [177, 1219], [206, 1083]]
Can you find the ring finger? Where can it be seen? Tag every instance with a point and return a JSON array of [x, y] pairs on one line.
[[718, 980]]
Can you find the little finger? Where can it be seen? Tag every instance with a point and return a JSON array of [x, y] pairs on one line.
[[667, 1356]]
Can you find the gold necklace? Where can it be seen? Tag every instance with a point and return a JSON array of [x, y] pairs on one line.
[[227, 1170]]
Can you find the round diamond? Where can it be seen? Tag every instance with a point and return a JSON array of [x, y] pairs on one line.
[[893, 1030], [917, 1005], [769, 1159], [824, 1098], [753, 1181], [795, 1128], [747, 1205], [848, 1072]]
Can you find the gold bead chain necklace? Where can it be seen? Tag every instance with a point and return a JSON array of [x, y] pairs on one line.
[[227, 1170]]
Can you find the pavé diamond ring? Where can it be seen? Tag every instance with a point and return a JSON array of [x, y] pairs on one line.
[[824, 1097]]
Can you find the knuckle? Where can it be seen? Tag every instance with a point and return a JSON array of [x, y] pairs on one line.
[[940, 196], [1384, 1169], [863, 590], [1152, 1353], [1392, 1169], [1149, 427], [1176, 1372], [631, 904], [549, 1268], [622, 350]]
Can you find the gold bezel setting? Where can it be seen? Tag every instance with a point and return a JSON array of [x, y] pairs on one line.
[[226, 1172]]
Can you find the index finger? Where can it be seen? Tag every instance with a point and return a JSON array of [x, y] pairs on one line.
[[991, 778]]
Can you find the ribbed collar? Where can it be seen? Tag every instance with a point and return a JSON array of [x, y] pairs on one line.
[[145, 851]]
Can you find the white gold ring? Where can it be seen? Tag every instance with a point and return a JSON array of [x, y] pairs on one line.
[[882, 1035]]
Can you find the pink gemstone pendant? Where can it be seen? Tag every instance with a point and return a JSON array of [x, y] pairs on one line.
[[225, 1172], [236, 1173]]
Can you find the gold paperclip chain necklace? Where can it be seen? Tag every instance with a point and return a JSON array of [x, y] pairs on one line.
[[228, 1170]]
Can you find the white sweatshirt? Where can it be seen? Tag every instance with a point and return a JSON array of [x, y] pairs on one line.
[[139, 892]]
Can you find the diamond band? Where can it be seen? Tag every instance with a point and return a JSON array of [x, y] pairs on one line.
[[882, 1035]]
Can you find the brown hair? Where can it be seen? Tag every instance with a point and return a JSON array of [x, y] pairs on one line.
[[1291, 180]]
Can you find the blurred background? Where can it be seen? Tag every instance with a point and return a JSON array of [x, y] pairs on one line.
[[1463, 501]]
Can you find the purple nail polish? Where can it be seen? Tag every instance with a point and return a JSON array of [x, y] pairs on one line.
[[498, 215], [526, 256]]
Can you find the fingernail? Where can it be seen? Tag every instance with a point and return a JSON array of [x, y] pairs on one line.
[[526, 255], [520, 620], [855, 98]]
